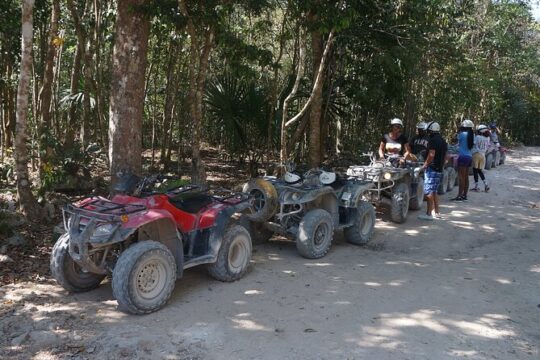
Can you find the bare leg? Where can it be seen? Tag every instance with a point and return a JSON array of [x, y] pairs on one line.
[[429, 201], [436, 202], [466, 175]]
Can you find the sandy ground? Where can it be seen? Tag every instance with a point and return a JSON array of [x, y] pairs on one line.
[[466, 287]]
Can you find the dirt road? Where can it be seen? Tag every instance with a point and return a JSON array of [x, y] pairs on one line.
[[466, 287]]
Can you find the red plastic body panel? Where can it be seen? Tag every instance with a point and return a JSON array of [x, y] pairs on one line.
[[159, 206]]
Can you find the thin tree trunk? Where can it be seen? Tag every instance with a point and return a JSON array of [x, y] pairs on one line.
[[170, 88], [74, 87], [197, 78], [314, 157], [127, 88], [27, 202]]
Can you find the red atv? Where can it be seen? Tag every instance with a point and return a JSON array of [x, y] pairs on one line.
[[146, 238]]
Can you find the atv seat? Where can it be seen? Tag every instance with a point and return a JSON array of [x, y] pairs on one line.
[[191, 202]]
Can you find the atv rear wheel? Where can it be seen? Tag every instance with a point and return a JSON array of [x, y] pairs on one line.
[[400, 203], [452, 176], [144, 277], [416, 202], [361, 232], [233, 256], [315, 233], [67, 272], [489, 161], [264, 199]]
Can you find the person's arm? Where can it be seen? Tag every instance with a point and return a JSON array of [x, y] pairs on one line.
[[407, 154], [429, 160], [381, 150]]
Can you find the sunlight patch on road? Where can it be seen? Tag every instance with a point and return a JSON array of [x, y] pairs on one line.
[[253, 292], [371, 283], [412, 232], [464, 224], [535, 268], [417, 264], [243, 315], [463, 353], [251, 325], [318, 264], [503, 281]]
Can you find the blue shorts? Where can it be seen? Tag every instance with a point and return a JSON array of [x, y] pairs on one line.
[[432, 179], [464, 160]]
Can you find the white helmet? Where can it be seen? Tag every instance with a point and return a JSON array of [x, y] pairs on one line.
[[327, 178], [482, 128], [421, 125], [291, 178], [396, 121], [467, 124], [433, 126]]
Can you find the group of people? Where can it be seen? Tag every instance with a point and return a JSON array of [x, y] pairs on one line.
[[430, 148]]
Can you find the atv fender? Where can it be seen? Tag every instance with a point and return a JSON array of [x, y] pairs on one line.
[[216, 236], [158, 225]]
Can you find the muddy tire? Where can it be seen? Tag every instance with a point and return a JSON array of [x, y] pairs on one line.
[[264, 201], [452, 177], [361, 232], [144, 277], [315, 233], [399, 207], [489, 161], [416, 202], [67, 272], [258, 232], [497, 161], [234, 255], [441, 190], [503, 158]]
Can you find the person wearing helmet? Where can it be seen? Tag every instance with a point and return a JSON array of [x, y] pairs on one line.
[[465, 139], [394, 142], [481, 145], [434, 167], [494, 134], [420, 141]]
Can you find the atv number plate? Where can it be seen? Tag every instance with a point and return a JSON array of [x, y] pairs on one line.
[[346, 196]]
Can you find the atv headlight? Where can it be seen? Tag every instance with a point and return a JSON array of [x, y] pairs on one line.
[[295, 196], [387, 176], [104, 230]]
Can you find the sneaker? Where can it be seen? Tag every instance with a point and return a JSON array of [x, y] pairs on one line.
[[437, 216], [476, 189], [458, 198], [464, 198], [425, 217], [486, 188]]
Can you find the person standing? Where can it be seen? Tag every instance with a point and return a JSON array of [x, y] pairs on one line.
[[420, 141], [434, 167], [481, 144], [465, 139], [394, 142]]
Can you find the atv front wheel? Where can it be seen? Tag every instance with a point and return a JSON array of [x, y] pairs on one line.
[[67, 272], [400, 203], [416, 202], [361, 232], [452, 176], [315, 233], [144, 277], [233, 256], [264, 201]]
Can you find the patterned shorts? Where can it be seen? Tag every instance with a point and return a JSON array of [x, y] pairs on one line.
[[432, 179]]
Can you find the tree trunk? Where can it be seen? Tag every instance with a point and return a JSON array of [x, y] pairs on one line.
[[314, 157], [74, 87], [45, 94], [170, 89], [127, 88], [198, 65], [27, 202]]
